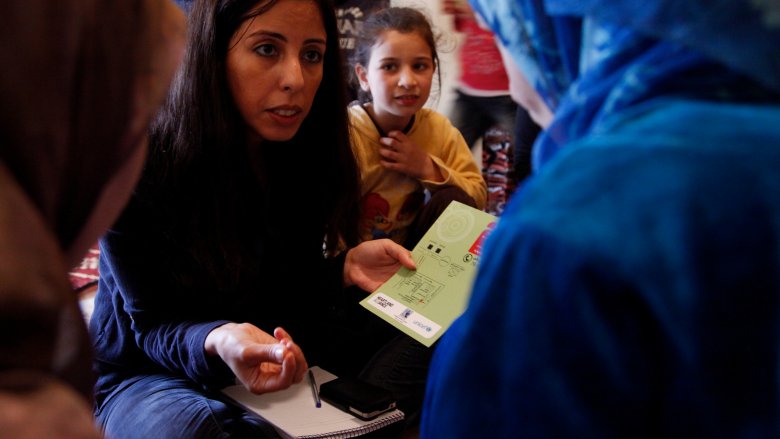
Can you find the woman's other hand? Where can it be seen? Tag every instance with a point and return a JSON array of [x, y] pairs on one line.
[[263, 363], [371, 263]]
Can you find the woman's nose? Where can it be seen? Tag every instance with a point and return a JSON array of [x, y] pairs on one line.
[[292, 75]]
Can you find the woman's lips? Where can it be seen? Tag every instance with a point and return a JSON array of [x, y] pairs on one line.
[[285, 115]]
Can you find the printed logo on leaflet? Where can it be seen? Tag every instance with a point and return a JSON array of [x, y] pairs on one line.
[[422, 325], [476, 248], [384, 303], [407, 317]]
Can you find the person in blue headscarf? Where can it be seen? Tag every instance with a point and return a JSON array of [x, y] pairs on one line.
[[632, 287]]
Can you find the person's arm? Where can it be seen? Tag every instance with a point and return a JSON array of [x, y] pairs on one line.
[[174, 330], [165, 322], [454, 160]]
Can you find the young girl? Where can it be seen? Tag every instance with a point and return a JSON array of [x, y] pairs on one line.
[[205, 267], [402, 148]]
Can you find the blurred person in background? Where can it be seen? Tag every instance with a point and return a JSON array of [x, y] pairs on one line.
[[483, 99]]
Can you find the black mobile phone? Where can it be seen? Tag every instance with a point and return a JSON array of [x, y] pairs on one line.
[[362, 399]]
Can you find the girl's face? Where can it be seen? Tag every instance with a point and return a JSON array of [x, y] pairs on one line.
[[274, 68], [398, 76]]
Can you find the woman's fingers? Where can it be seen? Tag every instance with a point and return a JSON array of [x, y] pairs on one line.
[[300, 361]]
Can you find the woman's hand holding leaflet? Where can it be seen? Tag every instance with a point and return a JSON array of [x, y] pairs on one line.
[[372, 263]]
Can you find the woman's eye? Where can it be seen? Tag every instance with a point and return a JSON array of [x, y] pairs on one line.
[[266, 50], [388, 67], [313, 56], [421, 67]]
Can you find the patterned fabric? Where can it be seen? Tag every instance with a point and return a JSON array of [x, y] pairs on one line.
[[497, 168], [86, 273]]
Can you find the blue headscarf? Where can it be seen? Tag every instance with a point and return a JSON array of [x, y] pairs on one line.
[[593, 59], [545, 48]]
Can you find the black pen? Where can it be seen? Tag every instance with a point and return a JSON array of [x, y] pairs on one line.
[[314, 390]]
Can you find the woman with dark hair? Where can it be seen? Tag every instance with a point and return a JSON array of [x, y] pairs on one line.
[[209, 262]]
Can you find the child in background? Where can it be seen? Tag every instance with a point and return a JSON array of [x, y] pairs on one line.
[[403, 149]]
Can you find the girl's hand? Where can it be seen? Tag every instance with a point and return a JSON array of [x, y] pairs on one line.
[[400, 154], [372, 263], [263, 363]]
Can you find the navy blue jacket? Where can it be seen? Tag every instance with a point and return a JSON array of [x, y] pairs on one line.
[[153, 310]]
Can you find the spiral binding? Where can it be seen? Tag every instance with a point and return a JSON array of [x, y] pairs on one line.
[[373, 425]]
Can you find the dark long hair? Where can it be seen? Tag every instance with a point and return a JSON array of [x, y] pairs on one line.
[[197, 182]]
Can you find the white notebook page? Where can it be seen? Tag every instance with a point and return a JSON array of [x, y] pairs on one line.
[[293, 411]]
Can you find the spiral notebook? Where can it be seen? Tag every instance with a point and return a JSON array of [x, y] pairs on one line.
[[294, 414]]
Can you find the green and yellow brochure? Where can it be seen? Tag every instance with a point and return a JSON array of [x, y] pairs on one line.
[[423, 303]]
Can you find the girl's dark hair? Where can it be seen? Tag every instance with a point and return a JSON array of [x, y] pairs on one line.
[[401, 19], [197, 185]]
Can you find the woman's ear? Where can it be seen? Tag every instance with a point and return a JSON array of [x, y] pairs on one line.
[[362, 77]]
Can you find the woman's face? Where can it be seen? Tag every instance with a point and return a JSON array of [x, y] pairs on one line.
[[275, 66]]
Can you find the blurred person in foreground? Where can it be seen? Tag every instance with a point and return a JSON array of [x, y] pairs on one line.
[[79, 83], [631, 288]]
